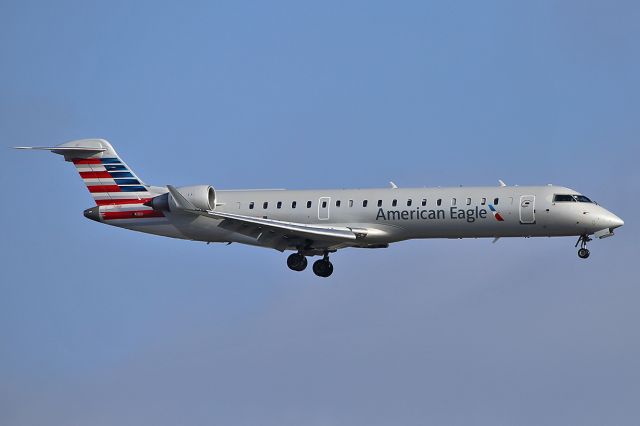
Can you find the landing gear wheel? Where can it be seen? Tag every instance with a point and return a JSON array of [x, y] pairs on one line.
[[297, 262], [323, 268], [583, 253]]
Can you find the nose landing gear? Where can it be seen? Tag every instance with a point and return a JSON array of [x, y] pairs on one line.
[[583, 252]]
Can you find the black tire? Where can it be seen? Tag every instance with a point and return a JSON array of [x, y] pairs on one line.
[[583, 253], [297, 262], [322, 268]]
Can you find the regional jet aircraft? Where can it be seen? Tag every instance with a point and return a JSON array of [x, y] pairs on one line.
[[320, 222]]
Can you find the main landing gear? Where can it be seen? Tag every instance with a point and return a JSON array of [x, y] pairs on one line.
[[297, 262], [583, 252], [322, 268]]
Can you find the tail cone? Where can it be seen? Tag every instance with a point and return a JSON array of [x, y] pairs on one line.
[[93, 213]]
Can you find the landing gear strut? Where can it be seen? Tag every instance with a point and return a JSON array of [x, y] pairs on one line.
[[583, 252], [323, 267], [297, 262]]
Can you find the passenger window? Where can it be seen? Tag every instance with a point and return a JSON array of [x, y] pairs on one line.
[[394, 203], [279, 205], [453, 201], [439, 202], [379, 203], [364, 203], [484, 201], [324, 204], [337, 203], [265, 205], [293, 204], [424, 201], [495, 201], [309, 204], [350, 203], [468, 201], [251, 204], [409, 202]]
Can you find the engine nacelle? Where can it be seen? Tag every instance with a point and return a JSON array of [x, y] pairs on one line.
[[201, 196]]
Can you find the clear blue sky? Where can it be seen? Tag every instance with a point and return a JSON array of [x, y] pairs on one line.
[[102, 326]]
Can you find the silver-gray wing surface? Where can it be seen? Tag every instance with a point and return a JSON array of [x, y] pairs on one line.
[[273, 233]]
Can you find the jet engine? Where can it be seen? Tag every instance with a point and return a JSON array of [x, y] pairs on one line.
[[201, 196]]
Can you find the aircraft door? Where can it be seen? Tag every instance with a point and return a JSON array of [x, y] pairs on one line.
[[323, 208], [528, 209]]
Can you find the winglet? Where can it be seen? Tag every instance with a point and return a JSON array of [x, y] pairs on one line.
[[501, 182], [180, 201], [393, 185]]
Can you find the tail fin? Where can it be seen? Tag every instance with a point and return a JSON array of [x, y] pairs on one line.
[[109, 180]]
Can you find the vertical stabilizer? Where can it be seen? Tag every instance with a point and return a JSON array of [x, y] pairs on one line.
[[109, 180]]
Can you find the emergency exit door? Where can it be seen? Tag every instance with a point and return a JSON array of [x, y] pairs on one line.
[[528, 209], [323, 208]]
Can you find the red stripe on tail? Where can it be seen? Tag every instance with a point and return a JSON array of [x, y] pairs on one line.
[[136, 214], [122, 201], [94, 175], [87, 161], [104, 188]]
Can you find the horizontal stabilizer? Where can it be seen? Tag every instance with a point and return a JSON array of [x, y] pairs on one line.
[[64, 149]]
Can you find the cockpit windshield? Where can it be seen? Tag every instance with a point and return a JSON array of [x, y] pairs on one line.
[[582, 199], [559, 198]]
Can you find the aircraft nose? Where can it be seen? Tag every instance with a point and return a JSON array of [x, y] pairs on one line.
[[610, 220]]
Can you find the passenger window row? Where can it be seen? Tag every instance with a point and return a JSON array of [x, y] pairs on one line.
[[409, 202]]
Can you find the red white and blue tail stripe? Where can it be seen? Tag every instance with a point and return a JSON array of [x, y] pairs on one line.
[[110, 181], [116, 189]]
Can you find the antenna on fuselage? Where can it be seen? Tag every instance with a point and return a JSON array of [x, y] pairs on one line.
[[501, 182], [393, 185]]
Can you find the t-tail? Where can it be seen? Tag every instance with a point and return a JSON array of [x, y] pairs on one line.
[[110, 181]]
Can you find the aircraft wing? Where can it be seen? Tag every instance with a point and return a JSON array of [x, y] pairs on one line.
[[280, 235], [271, 232]]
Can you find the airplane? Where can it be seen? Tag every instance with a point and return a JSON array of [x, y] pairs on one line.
[[321, 222]]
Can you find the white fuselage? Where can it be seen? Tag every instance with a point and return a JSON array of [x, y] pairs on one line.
[[389, 215]]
